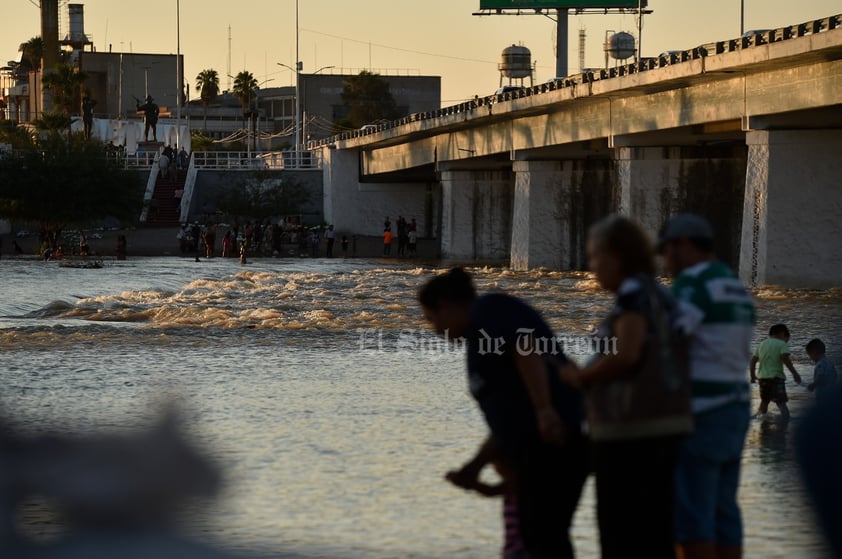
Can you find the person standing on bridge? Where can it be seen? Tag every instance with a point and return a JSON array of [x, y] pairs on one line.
[[719, 311]]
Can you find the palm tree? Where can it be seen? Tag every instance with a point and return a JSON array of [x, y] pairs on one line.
[[245, 86], [66, 84], [207, 84], [32, 51]]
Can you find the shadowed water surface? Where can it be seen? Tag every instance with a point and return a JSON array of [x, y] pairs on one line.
[[315, 386]]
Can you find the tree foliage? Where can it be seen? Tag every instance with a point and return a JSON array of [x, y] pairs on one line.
[[260, 197], [18, 137], [54, 121], [207, 84], [244, 88], [367, 99], [32, 51], [68, 181], [66, 85]]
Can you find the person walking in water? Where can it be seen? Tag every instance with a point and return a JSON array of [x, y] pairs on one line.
[[719, 315], [534, 420], [772, 355], [637, 394]]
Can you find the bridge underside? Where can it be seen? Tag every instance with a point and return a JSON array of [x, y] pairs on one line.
[[752, 142]]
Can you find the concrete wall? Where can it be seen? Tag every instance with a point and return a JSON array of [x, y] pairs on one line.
[[555, 204], [209, 184], [361, 208], [654, 183], [791, 219], [476, 218]]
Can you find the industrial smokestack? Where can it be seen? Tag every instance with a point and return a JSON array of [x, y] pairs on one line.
[[49, 33], [76, 15]]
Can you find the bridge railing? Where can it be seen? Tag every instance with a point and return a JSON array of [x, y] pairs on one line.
[[255, 161], [747, 41]]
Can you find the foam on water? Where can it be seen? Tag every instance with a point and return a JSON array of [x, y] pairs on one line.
[[319, 389]]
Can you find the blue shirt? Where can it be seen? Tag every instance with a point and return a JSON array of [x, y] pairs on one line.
[[824, 377], [501, 327]]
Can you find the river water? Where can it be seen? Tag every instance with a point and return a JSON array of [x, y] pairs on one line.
[[315, 386]]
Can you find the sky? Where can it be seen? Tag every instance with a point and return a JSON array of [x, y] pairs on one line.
[[430, 37]]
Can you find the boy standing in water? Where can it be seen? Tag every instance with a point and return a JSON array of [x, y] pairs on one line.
[[772, 354], [824, 375]]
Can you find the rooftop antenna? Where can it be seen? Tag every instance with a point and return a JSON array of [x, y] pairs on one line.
[[229, 58]]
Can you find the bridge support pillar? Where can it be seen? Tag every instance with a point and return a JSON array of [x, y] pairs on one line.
[[655, 183], [538, 234], [359, 207], [476, 215], [792, 209]]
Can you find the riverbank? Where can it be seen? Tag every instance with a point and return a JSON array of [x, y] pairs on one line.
[[148, 241]]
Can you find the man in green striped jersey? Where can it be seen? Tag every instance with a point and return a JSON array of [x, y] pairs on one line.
[[719, 314]]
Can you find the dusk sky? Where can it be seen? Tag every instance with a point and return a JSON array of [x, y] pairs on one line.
[[438, 37]]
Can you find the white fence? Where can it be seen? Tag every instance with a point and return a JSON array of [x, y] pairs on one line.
[[244, 161]]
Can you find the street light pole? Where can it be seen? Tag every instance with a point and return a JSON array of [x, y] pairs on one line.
[[742, 17], [299, 103], [178, 79], [257, 145], [297, 89]]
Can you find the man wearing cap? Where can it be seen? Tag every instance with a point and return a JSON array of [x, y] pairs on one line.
[[720, 316], [150, 118]]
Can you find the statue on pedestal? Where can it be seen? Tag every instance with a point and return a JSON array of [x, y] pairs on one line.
[[150, 118]]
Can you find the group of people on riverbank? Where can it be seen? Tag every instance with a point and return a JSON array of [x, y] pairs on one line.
[[660, 418], [406, 234], [283, 237]]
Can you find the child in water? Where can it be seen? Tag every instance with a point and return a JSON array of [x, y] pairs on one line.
[[824, 374], [772, 355]]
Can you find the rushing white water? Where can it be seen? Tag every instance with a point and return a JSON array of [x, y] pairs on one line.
[[317, 388]]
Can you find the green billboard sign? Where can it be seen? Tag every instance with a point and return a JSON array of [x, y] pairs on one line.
[[551, 4]]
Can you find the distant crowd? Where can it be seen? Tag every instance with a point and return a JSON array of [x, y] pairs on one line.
[[286, 237]]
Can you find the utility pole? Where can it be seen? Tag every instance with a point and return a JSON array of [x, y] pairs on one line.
[[639, 30], [561, 43], [178, 70], [298, 68]]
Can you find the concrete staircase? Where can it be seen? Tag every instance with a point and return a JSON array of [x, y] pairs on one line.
[[167, 207]]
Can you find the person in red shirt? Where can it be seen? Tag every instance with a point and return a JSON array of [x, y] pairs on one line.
[[387, 242]]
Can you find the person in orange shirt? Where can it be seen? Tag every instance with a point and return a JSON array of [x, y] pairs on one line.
[[387, 242]]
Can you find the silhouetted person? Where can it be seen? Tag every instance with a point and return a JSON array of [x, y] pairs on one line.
[[150, 118], [88, 105], [121, 247]]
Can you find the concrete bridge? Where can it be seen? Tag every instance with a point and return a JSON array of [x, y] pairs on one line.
[[747, 132]]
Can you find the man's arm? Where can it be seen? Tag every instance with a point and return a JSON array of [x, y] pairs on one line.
[[533, 371], [753, 368], [788, 362]]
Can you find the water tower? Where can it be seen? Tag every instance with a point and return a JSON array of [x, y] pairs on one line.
[[515, 64], [619, 46]]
